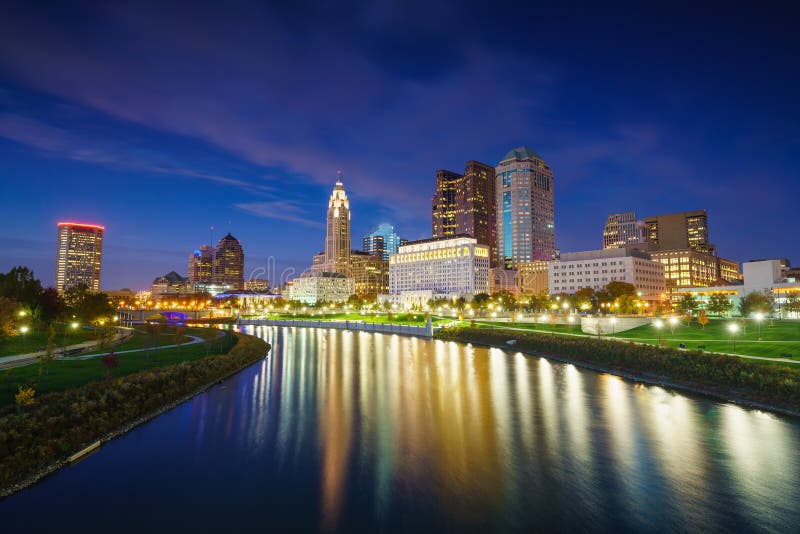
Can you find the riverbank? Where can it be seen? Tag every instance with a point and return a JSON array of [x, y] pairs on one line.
[[728, 378], [37, 441]]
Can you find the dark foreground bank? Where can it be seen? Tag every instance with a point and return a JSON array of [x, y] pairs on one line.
[[771, 387], [37, 441]]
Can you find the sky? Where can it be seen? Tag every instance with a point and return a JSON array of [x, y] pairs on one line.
[[161, 120]]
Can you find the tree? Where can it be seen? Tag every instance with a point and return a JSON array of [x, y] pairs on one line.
[[20, 284], [616, 289], [702, 318], [755, 302], [9, 308], [687, 304], [626, 304], [86, 305], [180, 335], [792, 304], [506, 299], [584, 298], [49, 353], [719, 304], [51, 305], [480, 300], [110, 362]]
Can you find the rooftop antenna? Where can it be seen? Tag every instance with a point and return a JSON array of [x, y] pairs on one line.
[[212, 236], [339, 176]]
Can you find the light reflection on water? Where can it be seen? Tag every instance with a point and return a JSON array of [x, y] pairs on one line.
[[345, 430]]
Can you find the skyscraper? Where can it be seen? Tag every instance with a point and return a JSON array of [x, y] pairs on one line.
[[79, 255], [337, 238], [443, 204], [622, 229], [201, 265], [382, 241], [465, 204], [525, 211], [229, 263], [675, 231]]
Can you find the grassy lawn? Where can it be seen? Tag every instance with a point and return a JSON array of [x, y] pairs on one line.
[[63, 374], [36, 340], [141, 340], [777, 339]]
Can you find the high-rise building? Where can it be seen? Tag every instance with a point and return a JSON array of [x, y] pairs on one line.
[[443, 204], [622, 229], [676, 231], [201, 265], [370, 274], [464, 204], [337, 238], [383, 241], [229, 263], [525, 209], [79, 255]]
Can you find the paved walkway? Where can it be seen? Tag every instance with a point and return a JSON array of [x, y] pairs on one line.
[[21, 360], [638, 341]]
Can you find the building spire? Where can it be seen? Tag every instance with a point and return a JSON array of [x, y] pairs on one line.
[[339, 177]]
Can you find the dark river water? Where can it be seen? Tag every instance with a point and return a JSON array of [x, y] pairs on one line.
[[348, 431]]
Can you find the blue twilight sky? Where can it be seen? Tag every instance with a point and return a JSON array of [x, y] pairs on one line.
[[160, 121]]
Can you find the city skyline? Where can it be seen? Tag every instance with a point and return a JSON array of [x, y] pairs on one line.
[[641, 136]]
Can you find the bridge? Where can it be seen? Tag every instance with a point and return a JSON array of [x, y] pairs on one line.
[[168, 315]]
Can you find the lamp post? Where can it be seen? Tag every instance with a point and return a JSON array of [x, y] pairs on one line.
[[571, 319], [733, 328], [659, 324], [759, 317], [673, 321], [613, 325], [24, 330]]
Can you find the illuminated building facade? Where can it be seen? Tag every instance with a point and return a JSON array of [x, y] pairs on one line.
[[688, 268], [762, 276], [438, 268], [622, 229], [465, 204], [79, 255], [501, 279], [532, 277], [676, 231], [383, 241], [257, 285], [597, 268], [311, 288], [337, 237], [201, 266], [229, 263], [170, 284], [525, 209], [370, 274]]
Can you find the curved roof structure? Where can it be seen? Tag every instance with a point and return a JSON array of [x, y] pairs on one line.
[[521, 152]]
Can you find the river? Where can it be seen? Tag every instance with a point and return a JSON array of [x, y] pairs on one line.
[[355, 431]]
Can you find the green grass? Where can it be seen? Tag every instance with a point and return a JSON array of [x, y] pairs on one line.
[[777, 339], [141, 340], [36, 340], [63, 374]]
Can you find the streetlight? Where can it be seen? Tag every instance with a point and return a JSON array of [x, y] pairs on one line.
[[24, 330], [759, 317], [733, 328], [613, 325], [673, 322], [22, 313], [659, 324]]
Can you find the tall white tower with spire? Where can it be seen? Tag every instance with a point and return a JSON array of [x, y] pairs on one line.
[[337, 238]]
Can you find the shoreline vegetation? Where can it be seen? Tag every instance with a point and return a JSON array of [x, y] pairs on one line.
[[37, 441], [727, 378]]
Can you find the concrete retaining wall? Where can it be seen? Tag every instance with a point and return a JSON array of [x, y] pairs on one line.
[[385, 328], [611, 325]]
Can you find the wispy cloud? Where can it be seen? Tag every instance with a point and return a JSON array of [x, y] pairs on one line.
[[281, 210]]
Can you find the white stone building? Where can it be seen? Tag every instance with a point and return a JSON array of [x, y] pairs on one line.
[[311, 288], [439, 268], [597, 268]]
